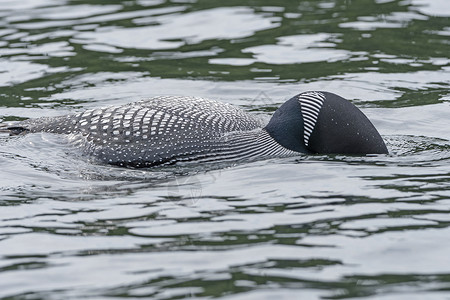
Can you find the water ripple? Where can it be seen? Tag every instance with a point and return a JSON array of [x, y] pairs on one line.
[[310, 227]]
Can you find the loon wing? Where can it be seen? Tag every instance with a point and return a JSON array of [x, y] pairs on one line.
[[149, 132]]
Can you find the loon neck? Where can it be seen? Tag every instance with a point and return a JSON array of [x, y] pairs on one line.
[[286, 126], [254, 144]]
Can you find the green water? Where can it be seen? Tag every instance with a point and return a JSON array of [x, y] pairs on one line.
[[311, 227]]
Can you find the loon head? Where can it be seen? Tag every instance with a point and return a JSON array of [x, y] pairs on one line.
[[322, 122]]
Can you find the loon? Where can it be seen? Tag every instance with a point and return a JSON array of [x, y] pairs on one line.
[[166, 130]]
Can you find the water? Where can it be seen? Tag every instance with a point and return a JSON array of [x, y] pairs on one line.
[[310, 227]]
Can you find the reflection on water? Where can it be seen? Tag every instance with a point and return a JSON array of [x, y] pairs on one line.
[[167, 32], [313, 227]]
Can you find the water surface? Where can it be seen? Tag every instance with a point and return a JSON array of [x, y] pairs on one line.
[[310, 227]]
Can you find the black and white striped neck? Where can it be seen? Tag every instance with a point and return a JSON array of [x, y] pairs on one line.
[[310, 105], [250, 145], [322, 122], [294, 122]]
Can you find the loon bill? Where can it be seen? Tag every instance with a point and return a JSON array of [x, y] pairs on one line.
[[170, 129]]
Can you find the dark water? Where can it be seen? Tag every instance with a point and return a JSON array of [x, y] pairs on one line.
[[311, 227]]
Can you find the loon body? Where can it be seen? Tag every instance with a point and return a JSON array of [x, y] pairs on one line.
[[171, 129]]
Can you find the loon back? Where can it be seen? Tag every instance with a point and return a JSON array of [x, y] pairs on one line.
[[166, 130]]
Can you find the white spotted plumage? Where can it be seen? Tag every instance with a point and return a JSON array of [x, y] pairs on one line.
[[165, 130]]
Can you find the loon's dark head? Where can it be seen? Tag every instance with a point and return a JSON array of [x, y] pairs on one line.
[[322, 122]]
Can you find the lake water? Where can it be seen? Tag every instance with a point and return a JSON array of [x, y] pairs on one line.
[[310, 227]]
